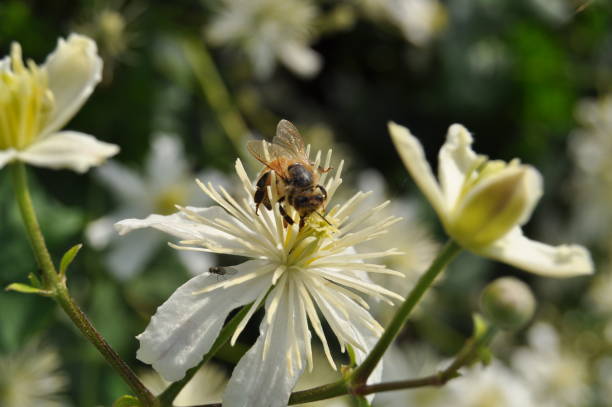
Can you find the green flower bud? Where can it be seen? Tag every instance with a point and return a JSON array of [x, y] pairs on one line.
[[495, 205], [508, 303]]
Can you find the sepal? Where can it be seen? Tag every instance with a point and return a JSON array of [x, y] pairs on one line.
[[67, 259], [27, 289], [127, 401]]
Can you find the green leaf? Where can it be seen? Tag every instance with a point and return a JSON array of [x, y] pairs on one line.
[[485, 355], [352, 355], [361, 401], [480, 326], [27, 289], [34, 280], [127, 401], [68, 258]]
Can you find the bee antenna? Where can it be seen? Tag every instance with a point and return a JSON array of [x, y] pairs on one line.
[[323, 217]]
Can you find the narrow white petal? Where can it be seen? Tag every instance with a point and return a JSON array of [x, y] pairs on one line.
[[455, 160], [6, 156], [311, 312], [179, 225], [186, 325], [300, 59], [413, 156], [73, 70], [68, 149], [529, 255], [268, 381], [360, 330]]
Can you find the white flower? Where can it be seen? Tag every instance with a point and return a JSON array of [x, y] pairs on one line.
[[36, 102], [267, 30], [419, 20], [206, 386], [410, 361], [166, 182], [32, 377], [591, 147], [294, 271], [489, 386], [556, 377], [111, 25], [482, 204]]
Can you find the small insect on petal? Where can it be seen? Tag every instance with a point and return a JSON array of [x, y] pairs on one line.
[[222, 272]]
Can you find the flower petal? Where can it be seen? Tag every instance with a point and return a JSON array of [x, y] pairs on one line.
[[73, 70], [539, 258], [181, 226], [351, 324], [300, 58], [184, 327], [130, 255], [166, 164], [177, 224], [266, 380], [125, 184], [6, 156], [413, 156], [455, 160], [68, 149]]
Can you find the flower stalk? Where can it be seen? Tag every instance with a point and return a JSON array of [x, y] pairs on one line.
[[56, 285], [363, 371], [215, 92], [466, 355]]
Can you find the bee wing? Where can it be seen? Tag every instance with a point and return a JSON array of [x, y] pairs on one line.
[[270, 155], [289, 138]]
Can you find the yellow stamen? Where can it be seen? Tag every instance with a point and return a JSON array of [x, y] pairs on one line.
[[25, 102]]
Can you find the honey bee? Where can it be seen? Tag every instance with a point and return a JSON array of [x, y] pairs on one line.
[[296, 177]]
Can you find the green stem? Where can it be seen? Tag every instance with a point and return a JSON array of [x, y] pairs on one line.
[[465, 356], [216, 92], [363, 371], [326, 391], [57, 286], [167, 397]]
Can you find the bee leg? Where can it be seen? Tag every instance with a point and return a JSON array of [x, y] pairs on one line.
[[324, 170], [260, 193], [286, 218], [323, 191]]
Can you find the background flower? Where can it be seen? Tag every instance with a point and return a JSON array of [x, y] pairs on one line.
[[167, 182], [205, 387], [267, 31], [32, 377]]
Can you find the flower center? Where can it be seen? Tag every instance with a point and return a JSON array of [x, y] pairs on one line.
[[25, 101], [165, 202]]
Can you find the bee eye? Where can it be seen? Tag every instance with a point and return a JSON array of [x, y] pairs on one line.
[[301, 200]]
